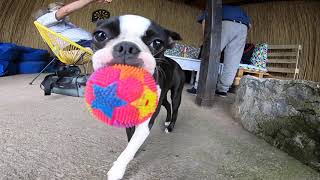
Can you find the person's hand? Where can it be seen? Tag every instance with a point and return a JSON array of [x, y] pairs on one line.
[[104, 1]]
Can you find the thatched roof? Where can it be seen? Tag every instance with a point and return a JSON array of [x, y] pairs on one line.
[[202, 3]]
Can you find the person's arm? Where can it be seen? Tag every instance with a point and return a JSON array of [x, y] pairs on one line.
[[74, 6], [250, 23], [48, 19], [203, 27]]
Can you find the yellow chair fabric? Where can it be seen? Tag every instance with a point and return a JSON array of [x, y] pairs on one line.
[[66, 50]]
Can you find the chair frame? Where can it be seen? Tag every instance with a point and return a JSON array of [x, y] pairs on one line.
[[43, 30]]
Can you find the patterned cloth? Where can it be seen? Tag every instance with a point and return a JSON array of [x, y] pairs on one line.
[[258, 59], [251, 67], [260, 56], [192, 52]]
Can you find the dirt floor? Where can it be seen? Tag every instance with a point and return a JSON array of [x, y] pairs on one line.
[[55, 137]]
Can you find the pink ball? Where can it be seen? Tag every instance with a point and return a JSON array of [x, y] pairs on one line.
[[121, 95]]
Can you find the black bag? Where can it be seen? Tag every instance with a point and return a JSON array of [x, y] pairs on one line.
[[201, 51], [247, 53], [67, 81]]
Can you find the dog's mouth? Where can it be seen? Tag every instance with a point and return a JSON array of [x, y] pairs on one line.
[[143, 60], [136, 62], [124, 52]]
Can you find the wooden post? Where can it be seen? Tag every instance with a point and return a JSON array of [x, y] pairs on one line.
[[211, 54]]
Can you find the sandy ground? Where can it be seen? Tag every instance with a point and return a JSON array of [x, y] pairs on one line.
[[55, 137]]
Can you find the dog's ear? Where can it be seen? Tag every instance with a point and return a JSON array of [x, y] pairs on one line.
[[172, 37]]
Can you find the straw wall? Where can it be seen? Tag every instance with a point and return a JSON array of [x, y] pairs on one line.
[[17, 27], [290, 23]]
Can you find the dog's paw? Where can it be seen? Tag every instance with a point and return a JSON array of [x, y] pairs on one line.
[[116, 172], [169, 128], [167, 131], [166, 124]]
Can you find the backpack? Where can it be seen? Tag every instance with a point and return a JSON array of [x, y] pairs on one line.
[[247, 54], [66, 81]]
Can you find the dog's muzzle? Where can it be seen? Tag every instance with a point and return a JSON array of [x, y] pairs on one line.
[[126, 53]]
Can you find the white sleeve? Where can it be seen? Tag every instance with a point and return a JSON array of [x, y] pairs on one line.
[[48, 19]]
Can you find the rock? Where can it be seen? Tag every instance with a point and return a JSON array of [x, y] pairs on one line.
[[286, 113]]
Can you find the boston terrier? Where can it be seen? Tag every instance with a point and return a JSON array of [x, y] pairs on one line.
[[137, 41]]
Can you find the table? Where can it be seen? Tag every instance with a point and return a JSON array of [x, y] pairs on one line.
[[188, 64]]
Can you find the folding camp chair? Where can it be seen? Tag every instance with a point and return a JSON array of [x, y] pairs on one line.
[[65, 50]]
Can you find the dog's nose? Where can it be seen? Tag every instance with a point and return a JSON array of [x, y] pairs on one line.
[[126, 51]]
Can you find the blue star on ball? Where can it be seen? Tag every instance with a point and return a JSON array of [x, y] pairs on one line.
[[106, 99]]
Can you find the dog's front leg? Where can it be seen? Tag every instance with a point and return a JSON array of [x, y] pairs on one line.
[[119, 166], [141, 133]]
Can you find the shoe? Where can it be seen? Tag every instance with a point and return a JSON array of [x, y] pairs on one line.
[[221, 94], [192, 90]]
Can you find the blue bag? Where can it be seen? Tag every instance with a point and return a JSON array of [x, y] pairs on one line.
[[31, 54], [8, 54], [23, 60]]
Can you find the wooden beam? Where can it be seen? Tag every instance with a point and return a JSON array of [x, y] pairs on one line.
[[211, 54], [282, 54], [282, 61], [283, 46], [281, 70]]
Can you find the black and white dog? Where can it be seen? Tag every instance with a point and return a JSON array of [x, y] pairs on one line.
[[137, 41]]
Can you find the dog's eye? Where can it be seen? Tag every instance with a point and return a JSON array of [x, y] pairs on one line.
[[100, 36], [156, 44]]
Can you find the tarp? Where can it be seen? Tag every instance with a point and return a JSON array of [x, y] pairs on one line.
[[19, 59]]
